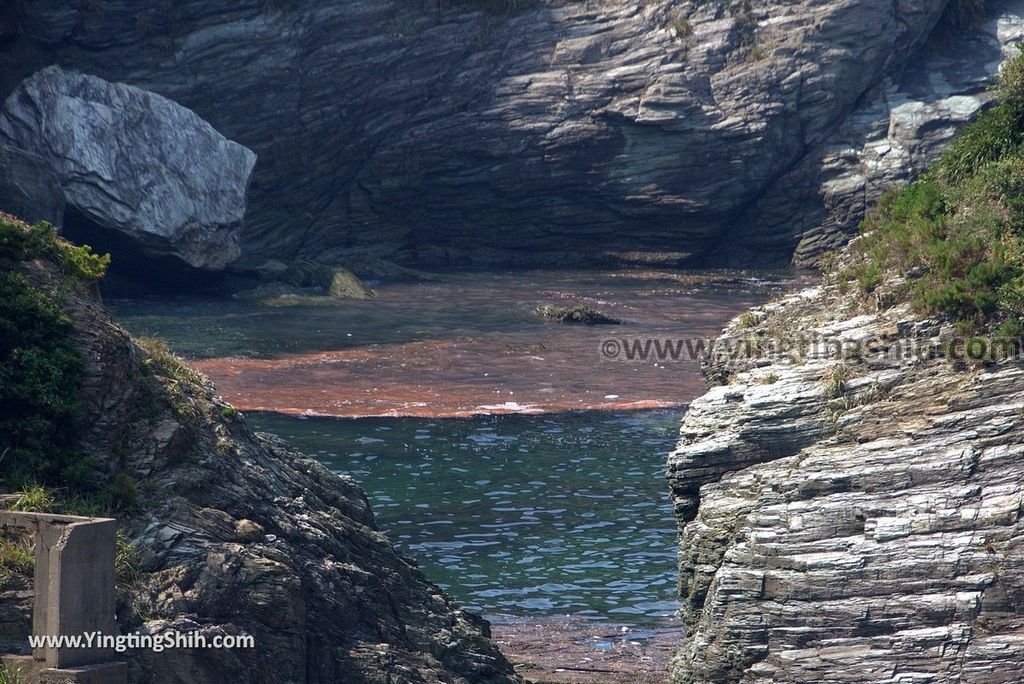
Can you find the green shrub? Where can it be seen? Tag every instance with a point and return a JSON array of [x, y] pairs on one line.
[[39, 373], [121, 493], [17, 555], [747, 320], [85, 505], [160, 360], [834, 382], [951, 241], [40, 367], [682, 26], [19, 242], [11, 674]]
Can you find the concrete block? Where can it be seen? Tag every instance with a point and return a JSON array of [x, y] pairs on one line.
[[81, 597], [74, 582], [105, 673]]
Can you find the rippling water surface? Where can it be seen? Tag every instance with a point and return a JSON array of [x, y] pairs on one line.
[[496, 447], [564, 513]]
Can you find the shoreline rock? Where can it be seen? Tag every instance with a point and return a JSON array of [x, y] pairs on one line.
[[579, 314], [238, 533], [848, 530]]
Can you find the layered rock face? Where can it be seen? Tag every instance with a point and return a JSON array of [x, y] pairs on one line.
[[238, 534], [451, 132], [135, 162], [900, 126], [851, 521]]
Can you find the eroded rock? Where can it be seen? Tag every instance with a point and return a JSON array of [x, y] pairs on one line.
[[238, 534], [135, 162]]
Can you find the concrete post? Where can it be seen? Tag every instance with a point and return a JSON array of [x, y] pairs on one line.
[[74, 581]]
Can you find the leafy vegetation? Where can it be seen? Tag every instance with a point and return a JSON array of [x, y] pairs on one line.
[[21, 242], [951, 242], [834, 383], [160, 360], [39, 365], [127, 562], [747, 320], [118, 495], [39, 373]]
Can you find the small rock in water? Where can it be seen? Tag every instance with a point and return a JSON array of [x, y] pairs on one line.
[[578, 314]]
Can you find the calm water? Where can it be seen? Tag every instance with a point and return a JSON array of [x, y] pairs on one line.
[[494, 445], [564, 513]]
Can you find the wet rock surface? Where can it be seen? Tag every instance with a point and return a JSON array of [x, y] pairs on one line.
[[413, 133], [568, 650], [854, 520], [580, 314], [132, 161]]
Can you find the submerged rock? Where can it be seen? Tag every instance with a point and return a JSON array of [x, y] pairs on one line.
[[305, 282], [345, 285], [135, 162], [577, 314], [844, 520]]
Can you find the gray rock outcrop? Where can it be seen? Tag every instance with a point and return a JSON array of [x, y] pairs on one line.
[[901, 126], [459, 132], [29, 187], [135, 162], [852, 520]]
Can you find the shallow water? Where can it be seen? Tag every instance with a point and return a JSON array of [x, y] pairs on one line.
[[464, 345], [495, 446]]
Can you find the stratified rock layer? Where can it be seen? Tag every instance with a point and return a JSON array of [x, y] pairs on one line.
[[445, 132], [135, 162], [901, 125], [856, 521]]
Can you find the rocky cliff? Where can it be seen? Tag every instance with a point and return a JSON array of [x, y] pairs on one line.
[[851, 519], [483, 131], [237, 533]]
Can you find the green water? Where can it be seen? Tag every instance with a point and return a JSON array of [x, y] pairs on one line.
[[554, 514], [521, 515]]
